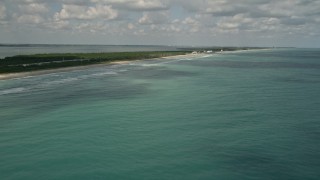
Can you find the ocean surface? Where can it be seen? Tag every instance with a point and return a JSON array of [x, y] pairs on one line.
[[241, 115]]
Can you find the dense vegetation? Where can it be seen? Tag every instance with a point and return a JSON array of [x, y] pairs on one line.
[[24, 63]]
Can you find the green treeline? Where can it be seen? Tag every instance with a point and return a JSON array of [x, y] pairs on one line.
[[22, 63]]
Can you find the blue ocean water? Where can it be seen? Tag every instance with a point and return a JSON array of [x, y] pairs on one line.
[[242, 115]]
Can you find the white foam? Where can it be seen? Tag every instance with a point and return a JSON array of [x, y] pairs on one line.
[[123, 70], [150, 65], [104, 73], [72, 79], [205, 56], [12, 91], [61, 81]]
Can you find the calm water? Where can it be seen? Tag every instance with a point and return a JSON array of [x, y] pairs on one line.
[[244, 115]]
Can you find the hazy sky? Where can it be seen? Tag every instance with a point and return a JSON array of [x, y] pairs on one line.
[[162, 22]]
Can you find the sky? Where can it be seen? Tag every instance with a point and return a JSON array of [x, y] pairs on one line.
[[290, 23]]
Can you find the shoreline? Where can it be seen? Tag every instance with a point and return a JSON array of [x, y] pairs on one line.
[[7, 76]]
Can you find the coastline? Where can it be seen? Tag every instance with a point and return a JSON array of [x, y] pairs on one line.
[[7, 76]]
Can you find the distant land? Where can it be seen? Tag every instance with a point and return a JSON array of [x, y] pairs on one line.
[[26, 63]]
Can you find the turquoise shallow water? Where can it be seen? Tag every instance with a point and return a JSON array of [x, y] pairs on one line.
[[243, 115]]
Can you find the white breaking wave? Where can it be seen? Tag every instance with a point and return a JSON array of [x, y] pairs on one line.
[[63, 81], [46, 81], [150, 65], [104, 73], [76, 78], [12, 91]]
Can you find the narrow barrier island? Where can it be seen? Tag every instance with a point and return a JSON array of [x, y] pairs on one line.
[[25, 63]]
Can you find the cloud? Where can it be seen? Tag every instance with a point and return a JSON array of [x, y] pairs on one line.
[[136, 5], [33, 8], [239, 22], [30, 19], [223, 8], [294, 21], [26, 1], [72, 2], [86, 13], [186, 19], [131, 26], [58, 25], [191, 25], [154, 18], [3, 13]]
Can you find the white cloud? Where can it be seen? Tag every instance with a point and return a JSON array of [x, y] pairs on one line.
[[86, 13], [191, 25], [154, 18], [30, 19], [91, 27], [223, 8], [130, 26], [3, 14], [181, 18], [267, 25], [190, 20], [136, 5], [278, 9], [239, 22], [27, 1], [33, 8], [58, 25], [73, 2], [147, 5]]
